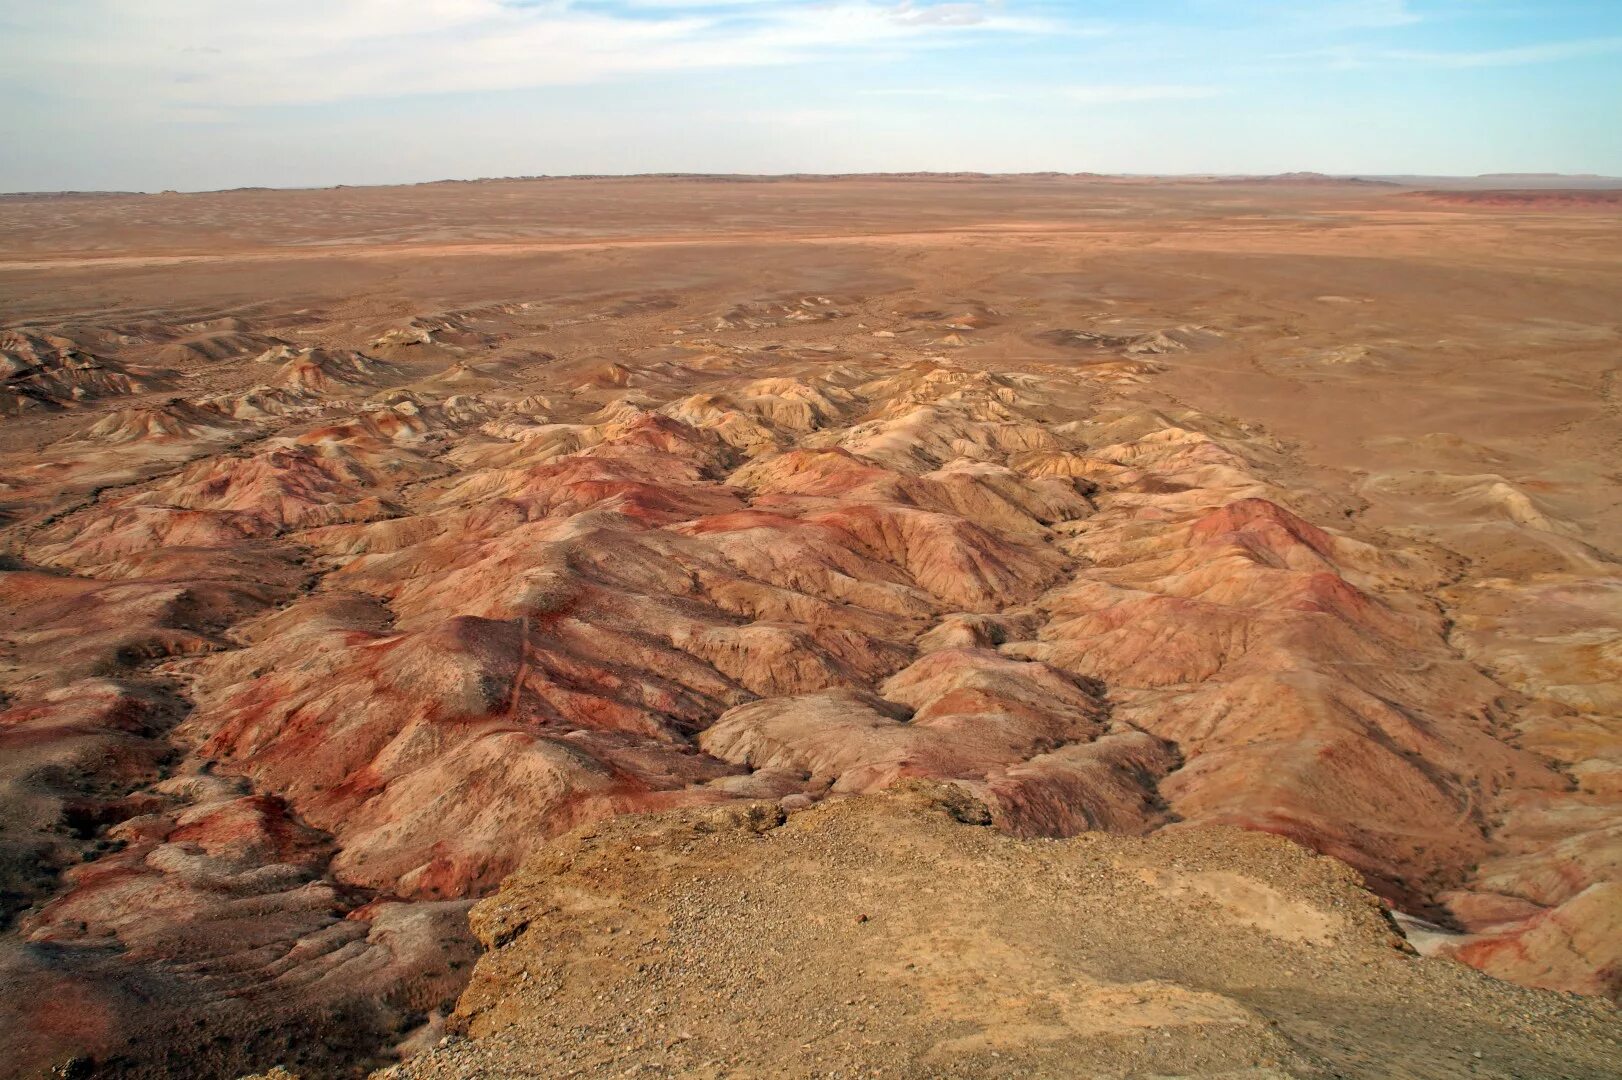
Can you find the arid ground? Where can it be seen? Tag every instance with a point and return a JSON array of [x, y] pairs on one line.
[[965, 574]]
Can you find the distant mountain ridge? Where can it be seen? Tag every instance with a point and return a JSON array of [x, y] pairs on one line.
[[1283, 179]]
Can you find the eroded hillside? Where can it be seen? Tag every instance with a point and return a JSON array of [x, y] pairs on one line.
[[317, 622]]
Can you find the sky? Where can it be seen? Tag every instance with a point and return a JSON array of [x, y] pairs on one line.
[[201, 94]]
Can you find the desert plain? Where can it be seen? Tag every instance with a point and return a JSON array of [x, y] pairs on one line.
[[909, 626]]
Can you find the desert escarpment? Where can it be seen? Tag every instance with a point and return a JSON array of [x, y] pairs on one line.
[[317, 623]]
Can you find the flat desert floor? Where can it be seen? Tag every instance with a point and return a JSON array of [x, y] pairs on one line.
[[986, 584]]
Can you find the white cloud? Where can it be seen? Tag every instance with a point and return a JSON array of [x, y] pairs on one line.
[[1359, 14], [188, 54], [1095, 94], [940, 93], [1105, 95], [1546, 53], [946, 14], [1327, 14], [1550, 52]]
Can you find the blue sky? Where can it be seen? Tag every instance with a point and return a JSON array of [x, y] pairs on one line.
[[192, 94]]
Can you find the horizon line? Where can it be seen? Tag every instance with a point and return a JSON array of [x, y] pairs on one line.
[[1310, 176]]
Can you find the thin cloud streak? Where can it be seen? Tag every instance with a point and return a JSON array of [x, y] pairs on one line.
[[1115, 95], [1553, 52], [1100, 94], [1547, 53], [186, 54], [188, 93]]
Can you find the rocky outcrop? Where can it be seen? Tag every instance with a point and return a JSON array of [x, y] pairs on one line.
[[897, 933], [43, 372]]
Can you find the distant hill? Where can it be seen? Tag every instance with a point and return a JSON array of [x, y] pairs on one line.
[[19, 196], [1526, 197], [1483, 182], [1303, 179], [1501, 181]]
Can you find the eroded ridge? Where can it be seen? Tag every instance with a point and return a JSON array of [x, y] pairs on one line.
[[770, 947], [296, 669]]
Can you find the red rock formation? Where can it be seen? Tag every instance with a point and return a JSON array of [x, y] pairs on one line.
[[294, 702]]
